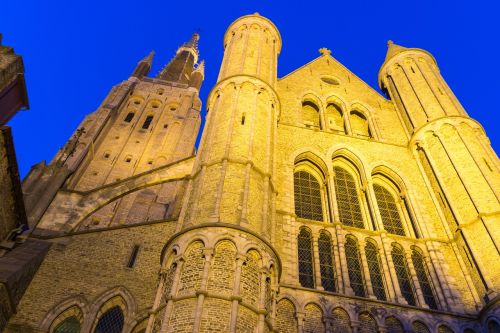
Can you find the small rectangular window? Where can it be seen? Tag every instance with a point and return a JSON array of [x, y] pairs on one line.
[[147, 122], [133, 256]]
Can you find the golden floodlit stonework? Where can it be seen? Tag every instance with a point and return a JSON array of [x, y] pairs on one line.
[[313, 203]]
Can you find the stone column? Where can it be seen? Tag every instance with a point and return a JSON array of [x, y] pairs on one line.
[[366, 271], [300, 322], [414, 278], [346, 284], [391, 294], [372, 202], [170, 303], [236, 298], [202, 292], [390, 265], [333, 196], [262, 301], [317, 266]]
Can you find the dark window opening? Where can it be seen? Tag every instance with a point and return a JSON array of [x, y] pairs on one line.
[[129, 117], [147, 122], [133, 256]]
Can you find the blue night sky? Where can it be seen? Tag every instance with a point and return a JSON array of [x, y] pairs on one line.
[[75, 52]]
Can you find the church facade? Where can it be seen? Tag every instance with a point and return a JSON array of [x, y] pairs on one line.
[[313, 203]]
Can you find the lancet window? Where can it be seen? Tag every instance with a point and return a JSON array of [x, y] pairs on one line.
[[308, 203], [305, 256], [403, 274], [347, 198], [374, 267], [354, 266], [111, 321], [326, 262], [423, 279], [389, 212]]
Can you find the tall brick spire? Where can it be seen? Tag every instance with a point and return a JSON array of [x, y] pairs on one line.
[[179, 69]]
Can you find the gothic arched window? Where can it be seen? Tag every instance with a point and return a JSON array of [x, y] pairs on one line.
[[306, 271], [403, 274], [359, 124], [373, 260], [347, 199], [307, 196], [111, 321], [69, 325], [310, 114], [389, 212], [326, 263], [423, 279], [129, 117], [354, 266]]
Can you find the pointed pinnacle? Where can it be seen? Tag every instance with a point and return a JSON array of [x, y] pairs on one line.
[[149, 58], [201, 67]]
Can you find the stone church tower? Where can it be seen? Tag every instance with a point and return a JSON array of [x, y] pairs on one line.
[[313, 203]]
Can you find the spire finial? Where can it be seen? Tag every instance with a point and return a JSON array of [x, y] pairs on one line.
[[325, 51], [390, 42]]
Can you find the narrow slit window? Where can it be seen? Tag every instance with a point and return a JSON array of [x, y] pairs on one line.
[[147, 122], [133, 256], [129, 117], [243, 119]]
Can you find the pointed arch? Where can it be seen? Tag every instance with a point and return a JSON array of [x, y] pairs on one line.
[[354, 266], [389, 209], [308, 192], [347, 191], [305, 258], [110, 317], [396, 213], [69, 321]]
